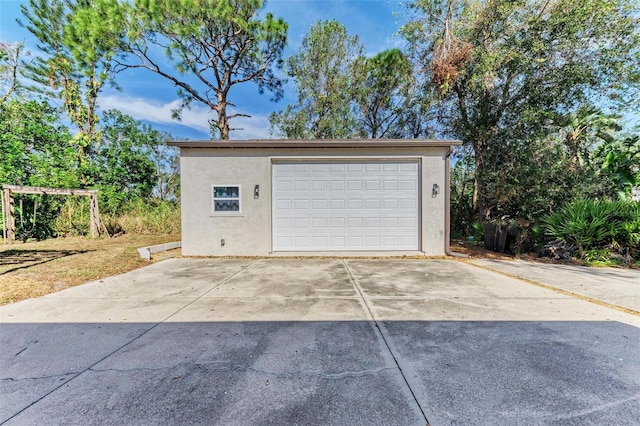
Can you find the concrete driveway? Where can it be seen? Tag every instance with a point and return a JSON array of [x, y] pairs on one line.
[[322, 341]]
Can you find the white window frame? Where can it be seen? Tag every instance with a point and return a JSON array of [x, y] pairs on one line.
[[226, 212]]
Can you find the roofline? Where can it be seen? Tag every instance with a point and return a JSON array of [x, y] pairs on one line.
[[316, 143]]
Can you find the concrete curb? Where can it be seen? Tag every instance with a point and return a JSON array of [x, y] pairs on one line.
[[554, 288], [146, 252]]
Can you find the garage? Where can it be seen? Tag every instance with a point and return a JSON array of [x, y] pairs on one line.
[[287, 197], [346, 205]]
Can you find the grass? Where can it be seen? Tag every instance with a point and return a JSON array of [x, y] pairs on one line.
[[34, 269]]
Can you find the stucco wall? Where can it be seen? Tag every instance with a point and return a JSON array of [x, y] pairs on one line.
[[249, 232]]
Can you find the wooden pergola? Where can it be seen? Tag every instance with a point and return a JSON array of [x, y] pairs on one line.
[[9, 220]]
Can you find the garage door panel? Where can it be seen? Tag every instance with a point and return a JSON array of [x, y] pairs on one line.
[[283, 185], [342, 206], [337, 204], [302, 241], [355, 204], [372, 204], [319, 222], [336, 241], [301, 185], [336, 185], [408, 185], [319, 185], [301, 204], [407, 204], [283, 204], [336, 222], [390, 185], [373, 222], [319, 204], [408, 222], [390, 241], [390, 203], [355, 222]]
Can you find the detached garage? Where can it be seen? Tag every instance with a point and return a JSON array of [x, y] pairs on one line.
[[269, 197]]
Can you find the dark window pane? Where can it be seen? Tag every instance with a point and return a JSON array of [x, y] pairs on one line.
[[227, 205], [226, 192]]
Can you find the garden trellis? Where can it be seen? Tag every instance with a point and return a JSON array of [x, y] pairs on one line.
[[8, 217]]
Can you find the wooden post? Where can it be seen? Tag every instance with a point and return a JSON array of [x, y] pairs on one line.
[[94, 222], [10, 220], [4, 220], [7, 205]]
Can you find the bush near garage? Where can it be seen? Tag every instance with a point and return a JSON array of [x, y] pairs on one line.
[[602, 231]]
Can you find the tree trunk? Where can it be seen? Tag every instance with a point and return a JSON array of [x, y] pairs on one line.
[[480, 208], [223, 121]]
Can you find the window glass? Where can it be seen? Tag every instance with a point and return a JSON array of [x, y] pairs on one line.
[[226, 192], [226, 198]]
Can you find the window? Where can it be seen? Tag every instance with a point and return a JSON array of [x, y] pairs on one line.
[[226, 198]]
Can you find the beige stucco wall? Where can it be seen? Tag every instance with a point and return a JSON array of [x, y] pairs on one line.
[[249, 232]]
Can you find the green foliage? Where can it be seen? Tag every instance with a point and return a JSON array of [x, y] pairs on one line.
[[531, 64], [136, 216], [477, 231], [383, 86], [461, 181], [343, 94], [76, 65], [166, 161], [72, 218], [533, 177], [598, 257], [620, 161], [141, 216], [37, 151], [35, 215], [536, 236], [595, 225], [323, 69], [123, 168], [35, 148]]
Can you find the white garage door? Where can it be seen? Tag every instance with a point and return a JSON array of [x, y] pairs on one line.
[[345, 206]]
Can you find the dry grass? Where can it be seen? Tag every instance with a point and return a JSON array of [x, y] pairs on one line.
[[37, 268], [476, 251]]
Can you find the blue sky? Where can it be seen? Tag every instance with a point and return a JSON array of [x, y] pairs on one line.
[[150, 98]]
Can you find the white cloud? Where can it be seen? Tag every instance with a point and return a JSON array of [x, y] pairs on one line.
[[196, 118], [156, 112]]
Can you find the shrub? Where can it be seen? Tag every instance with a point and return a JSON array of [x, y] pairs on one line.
[[73, 218], [593, 225], [477, 231], [140, 216], [145, 217]]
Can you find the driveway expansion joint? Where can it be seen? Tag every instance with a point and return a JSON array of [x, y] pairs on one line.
[[379, 328]]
